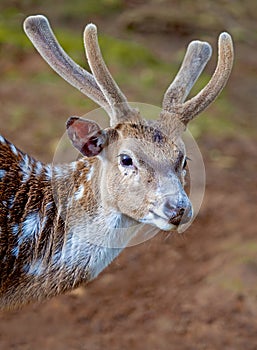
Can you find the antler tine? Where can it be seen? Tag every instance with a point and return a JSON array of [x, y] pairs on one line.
[[197, 55], [41, 35], [203, 99], [117, 100]]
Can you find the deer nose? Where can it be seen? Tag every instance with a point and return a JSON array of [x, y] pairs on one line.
[[176, 213]]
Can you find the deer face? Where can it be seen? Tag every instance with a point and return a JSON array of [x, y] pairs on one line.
[[143, 170], [146, 176]]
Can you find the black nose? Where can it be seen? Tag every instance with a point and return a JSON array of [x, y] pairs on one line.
[[175, 213]]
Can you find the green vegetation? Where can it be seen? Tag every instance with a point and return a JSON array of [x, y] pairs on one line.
[[12, 36], [67, 9]]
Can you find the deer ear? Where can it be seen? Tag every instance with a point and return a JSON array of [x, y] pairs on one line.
[[86, 136]]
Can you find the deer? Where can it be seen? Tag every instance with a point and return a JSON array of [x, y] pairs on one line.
[[61, 225]]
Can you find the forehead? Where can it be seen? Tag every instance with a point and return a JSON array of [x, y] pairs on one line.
[[147, 137], [150, 144]]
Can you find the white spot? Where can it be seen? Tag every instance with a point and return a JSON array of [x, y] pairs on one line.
[[49, 206], [14, 149], [59, 172], [30, 227], [71, 253], [25, 162], [73, 166], [57, 256], [2, 140], [63, 171], [15, 251], [2, 173], [79, 193], [35, 268], [90, 173], [49, 172], [11, 201], [15, 229], [26, 168], [38, 168]]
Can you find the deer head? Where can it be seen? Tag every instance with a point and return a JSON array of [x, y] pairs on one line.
[[142, 162]]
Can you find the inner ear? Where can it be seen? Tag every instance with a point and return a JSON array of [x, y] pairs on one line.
[[86, 136]]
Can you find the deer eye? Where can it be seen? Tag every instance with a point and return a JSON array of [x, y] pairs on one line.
[[184, 164], [126, 160]]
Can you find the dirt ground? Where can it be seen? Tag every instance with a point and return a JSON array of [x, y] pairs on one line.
[[196, 291]]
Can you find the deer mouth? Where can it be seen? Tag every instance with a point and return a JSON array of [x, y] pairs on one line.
[[160, 221]]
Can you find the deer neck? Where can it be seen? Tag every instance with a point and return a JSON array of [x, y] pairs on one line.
[[65, 235], [87, 235]]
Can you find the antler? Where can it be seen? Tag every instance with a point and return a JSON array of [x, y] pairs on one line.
[[118, 102], [101, 89], [197, 55], [40, 33]]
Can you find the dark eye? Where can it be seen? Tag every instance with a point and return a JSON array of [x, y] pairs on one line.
[[184, 164], [126, 160]]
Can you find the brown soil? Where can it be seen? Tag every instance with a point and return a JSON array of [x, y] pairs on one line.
[[196, 291]]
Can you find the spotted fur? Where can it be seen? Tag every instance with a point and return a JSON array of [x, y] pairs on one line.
[[39, 257]]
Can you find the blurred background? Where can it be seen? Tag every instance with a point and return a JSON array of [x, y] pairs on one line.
[[196, 291]]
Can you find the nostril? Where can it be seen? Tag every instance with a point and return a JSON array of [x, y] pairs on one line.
[[177, 213], [181, 211], [174, 214]]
